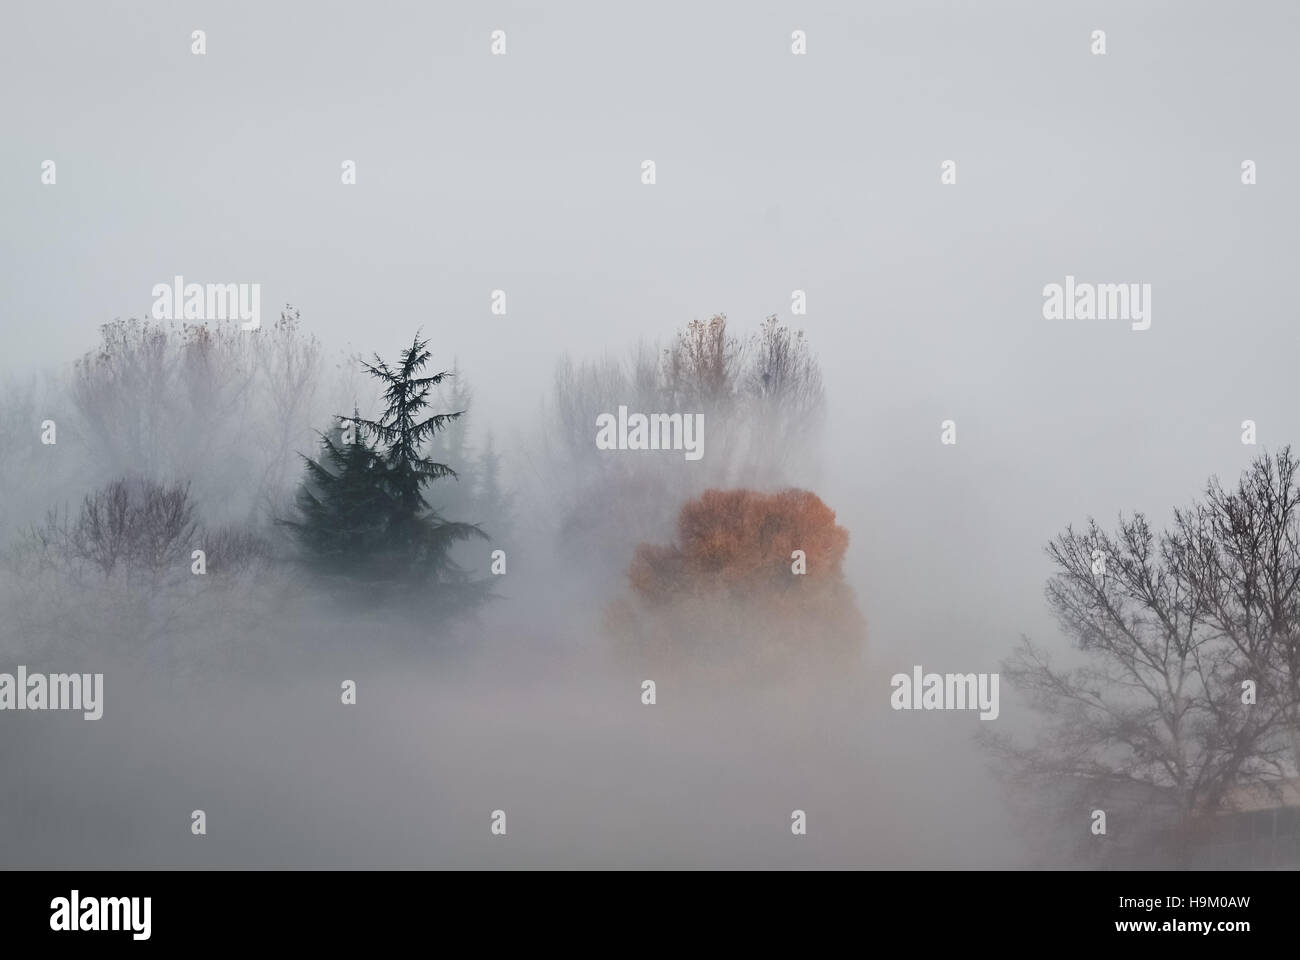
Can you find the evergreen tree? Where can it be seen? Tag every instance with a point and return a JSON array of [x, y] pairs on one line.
[[490, 497], [453, 442], [363, 511], [343, 508]]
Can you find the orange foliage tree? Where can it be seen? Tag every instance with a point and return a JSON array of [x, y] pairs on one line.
[[742, 543], [727, 588]]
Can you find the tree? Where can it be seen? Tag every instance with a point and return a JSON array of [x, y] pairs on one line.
[[762, 400], [289, 368], [1173, 627], [452, 442], [1252, 580], [783, 383], [131, 525], [742, 543], [753, 582], [362, 507], [702, 367], [343, 508], [452, 447], [209, 401], [491, 497]]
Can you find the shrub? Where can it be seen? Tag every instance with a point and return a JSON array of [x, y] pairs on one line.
[[129, 524]]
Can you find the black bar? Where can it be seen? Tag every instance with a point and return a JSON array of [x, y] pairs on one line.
[[479, 908]]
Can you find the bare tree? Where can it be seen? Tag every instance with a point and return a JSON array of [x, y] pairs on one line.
[[783, 385], [1252, 579], [762, 401], [289, 370], [225, 407], [702, 367], [134, 525], [1187, 690], [102, 531], [121, 391]]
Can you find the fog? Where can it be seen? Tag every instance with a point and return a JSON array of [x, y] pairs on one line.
[[522, 173]]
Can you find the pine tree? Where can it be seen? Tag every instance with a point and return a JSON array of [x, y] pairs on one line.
[[342, 507], [362, 507], [490, 497], [421, 537]]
